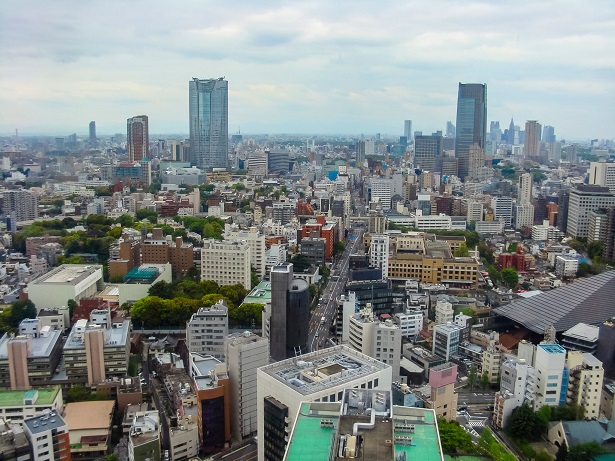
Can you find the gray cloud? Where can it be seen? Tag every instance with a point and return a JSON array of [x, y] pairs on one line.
[[307, 66]]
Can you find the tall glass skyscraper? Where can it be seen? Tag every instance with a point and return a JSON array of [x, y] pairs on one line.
[[471, 122], [209, 123]]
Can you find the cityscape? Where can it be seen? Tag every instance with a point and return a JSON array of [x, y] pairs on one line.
[[250, 269]]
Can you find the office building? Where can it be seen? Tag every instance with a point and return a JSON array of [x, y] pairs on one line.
[[207, 330], [551, 377], [378, 338], [246, 353], [471, 123], [364, 425], [474, 211], [446, 338], [476, 163], [502, 209], [209, 123], [226, 263], [278, 161], [443, 398], [531, 147], [378, 293], [19, 405], [381, 190], [92, 129], [48, 435], [548, 133], [609, 246], [602, 174], [428, 153], [290, 313], [14, 445], [379, 254], [581, 337], [20, 205], [583, 200], [144, 437], [524, 215], [320, 376], [408, 130], [156, 249], [213, 393], [137, 140], [597, 227], [256, 242], [444, 311]]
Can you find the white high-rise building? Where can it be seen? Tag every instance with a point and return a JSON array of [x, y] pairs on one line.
[[444, 312], [346, 307], [256, 242], [475, 211], [525, 188], [207, 329], [370, 146], [380, 340], [410, 322], [548, 373], [585, 382], [583, 200], [502, 209], [524, 215], [381, 189], [246, 353], [226, 263], [379, 253], [602, 174], [516, 386]]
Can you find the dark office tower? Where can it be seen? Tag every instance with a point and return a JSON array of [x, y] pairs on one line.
[[92, 133], [471, 122], [511, 132], [450, 129], [290, 314], [137, 140], [609, 245], [408, 130], [563, 200], [209, 123], [428, 153], [548, 134], [531, 147]]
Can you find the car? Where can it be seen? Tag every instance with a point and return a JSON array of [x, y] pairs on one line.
[[316, 335]]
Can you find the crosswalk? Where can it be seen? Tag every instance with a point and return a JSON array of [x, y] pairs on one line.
[[477, 422]]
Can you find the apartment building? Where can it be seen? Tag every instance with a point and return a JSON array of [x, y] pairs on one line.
[[207, 331], [446, 339], [48, 435], [226, 263], [585, 382], [256, 242]]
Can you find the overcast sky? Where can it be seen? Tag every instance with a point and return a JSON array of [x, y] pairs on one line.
[[317, 66]]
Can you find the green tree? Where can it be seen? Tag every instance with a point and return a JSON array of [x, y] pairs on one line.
[[472, 377], [162, 289], [235, 293], [151, 216], [238, 186], [208, 188], [112, 457], [247, 314], [525, 424], [338, 247], [562, 453], [21, 310], [513, 247], [313, 290], [544, 414], [494, 274], [484, 381], [125, 220], [78, 393], [488, 443], [510, 277], [583, 269], [584, 451], [453, 438], [71, 304], [210, 300], [300, 263], [461, 251], [254, 279], [595, 248]]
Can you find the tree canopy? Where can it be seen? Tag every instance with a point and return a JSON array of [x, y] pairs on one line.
[[454, 439], [525, 424], [510, 277]]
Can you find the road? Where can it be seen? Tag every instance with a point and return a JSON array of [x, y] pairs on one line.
[[246, 453]]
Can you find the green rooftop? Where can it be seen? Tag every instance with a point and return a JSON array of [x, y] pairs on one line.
[[310, 441], [260, 294], [425, 445], [16, 398]]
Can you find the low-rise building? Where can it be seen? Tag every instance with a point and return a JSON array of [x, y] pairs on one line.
[[14, 446], [566, 265], [585, 382], [89, 425], [144, 437], [48, 435], [19, 405]]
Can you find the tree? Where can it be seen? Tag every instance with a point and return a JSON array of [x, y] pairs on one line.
[[510, 277], [300, 263], [484, 380], [461, 251], [584, 451], [513, 247], [78, 393], [453, 438], [472, 377], [494, 274], [562, 453], [162, 289], [21, 310], [71, 304], [595, 248], [247, 314], [583, 269], [254, 279], [544, 414], [338, 247], [210, 300], [235, 293], [525, 424]]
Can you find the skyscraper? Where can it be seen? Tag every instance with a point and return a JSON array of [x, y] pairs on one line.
[[450, 129], [548, 134], [408, 130], [471, 122], [137, 140], [525, 188], [428, 153], [209, 123], [92, 133], [531, 148]]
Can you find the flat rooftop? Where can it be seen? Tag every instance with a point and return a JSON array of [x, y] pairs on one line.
[[114, 337], [260, 294], [323, 369], [40, 397], [45, 422], [584, 332], [71, 274], [41, 346], [89, 415], [552, 348]]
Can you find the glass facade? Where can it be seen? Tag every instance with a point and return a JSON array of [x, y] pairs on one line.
[[471, 122], [209, 123]]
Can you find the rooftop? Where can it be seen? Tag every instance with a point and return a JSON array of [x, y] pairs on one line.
[[552, 348], [114, 337], [323, 369], [71, 274], [566, 306], [584, 332], [39, 397], [260, 294], [40, 346], [89, 415], [46, 422]]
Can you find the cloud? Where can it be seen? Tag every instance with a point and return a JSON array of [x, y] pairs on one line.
[[307, 66]]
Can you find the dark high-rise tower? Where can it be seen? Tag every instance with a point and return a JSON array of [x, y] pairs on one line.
[[92, 133], [471, 122], [137, 140], [428, 152], [209, 123]]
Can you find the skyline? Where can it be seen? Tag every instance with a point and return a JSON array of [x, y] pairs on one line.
[[308, 67]]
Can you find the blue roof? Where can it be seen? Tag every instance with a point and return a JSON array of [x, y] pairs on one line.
[[553, 348]]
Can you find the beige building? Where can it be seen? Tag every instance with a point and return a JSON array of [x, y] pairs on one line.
[[226, 263], [89, 425], [256, 242], [585, 382], [491, 360]]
